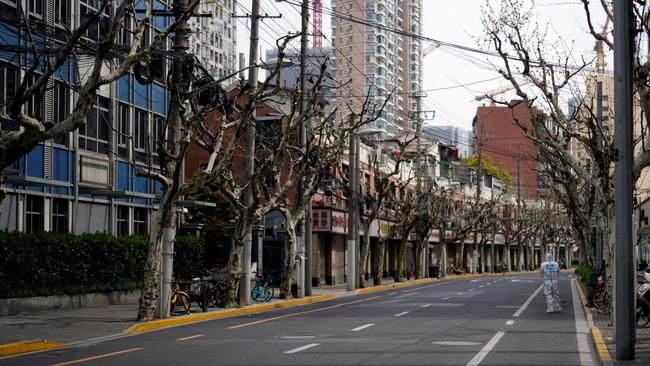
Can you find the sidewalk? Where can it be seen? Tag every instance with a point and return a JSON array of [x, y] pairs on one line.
[[59, 328], [602, 335]]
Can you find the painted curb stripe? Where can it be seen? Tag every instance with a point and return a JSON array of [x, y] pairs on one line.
[[162, 323], [28, 346], [599, 344]]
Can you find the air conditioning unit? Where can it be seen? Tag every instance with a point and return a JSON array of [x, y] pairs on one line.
[[455, 186]]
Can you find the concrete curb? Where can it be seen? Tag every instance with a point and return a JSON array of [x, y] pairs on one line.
[[169, 322], [604, 357], [27, 346]]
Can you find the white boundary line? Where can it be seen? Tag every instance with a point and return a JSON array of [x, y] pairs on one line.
[[488, 347], [362, 327], [303, 348], [525, 305]]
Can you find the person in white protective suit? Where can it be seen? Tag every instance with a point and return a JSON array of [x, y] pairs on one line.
[[550, 272]]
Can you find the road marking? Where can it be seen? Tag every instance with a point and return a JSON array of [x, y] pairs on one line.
[[488, 283], [471, 289], [525, 305], [510, 322], [362, 327], [190, 337], [460, 293], [298, 337], [402, 313], [301, 313], [446, 298], [295, 350], [484, 352], [456, 343], [474, 281], [393, 293], [96, 357], [582, 329], [481, 286], [426, 305]]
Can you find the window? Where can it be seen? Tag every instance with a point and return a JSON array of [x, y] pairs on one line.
[[139, 221], [60, 109], [97, 30], [8, 82], [124, 129], [122, 220], [60, 215], [94, 135], [62, 12], [33, 214]]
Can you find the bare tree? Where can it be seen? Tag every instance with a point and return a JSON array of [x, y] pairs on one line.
[[384, 188]]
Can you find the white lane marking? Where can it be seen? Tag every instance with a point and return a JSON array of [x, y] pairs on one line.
[[488, 283], [298, 337], [484, 352], [525, 305], [474, 280], [446, 298], [426, 305], [510, 322], [295, 350], [460, 293], [471, 289], [585, 347], [402, 313], [456, 343], [481, 286], [362, 327]]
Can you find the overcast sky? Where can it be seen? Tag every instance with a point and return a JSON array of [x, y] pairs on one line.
[[452, 77]]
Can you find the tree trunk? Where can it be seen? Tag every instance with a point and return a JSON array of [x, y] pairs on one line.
[[419, 271], [379, 268], [289, 260], [234, 265], [363, 255], [152, 266], [400, 259]]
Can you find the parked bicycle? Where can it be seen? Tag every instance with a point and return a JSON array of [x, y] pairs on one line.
[[180, 301], [262, 290], [598, 296], [199, 289], [501, 268], [642, 315], [216, 292]]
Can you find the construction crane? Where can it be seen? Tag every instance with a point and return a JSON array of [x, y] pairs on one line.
[[318, 23], [430, 49], [494, 92], [600, 50]]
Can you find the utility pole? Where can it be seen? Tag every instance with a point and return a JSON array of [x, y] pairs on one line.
[[479, 142], [352, 204], [173, 133], [624, 36], [249, 156], [305, 132], [418, 177], [597, 219]]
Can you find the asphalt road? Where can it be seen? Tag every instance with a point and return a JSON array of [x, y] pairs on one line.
[[491, 320]]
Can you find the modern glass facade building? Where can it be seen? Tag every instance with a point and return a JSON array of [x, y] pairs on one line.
[[86, 181]]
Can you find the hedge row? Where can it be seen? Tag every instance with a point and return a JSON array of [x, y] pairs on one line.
[[587, 274], [47, 263]]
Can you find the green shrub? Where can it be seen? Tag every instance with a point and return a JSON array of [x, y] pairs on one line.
[[46, 263]]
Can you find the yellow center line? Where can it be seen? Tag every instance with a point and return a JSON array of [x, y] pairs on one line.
[[96, 357], [301, 313], [393, 293], [190, 337]]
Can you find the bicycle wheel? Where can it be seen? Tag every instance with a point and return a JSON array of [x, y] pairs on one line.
[[180, 305], [258, 293], [269, 292], [642, 312], [202, 300], [213, 297], [599, 299]]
